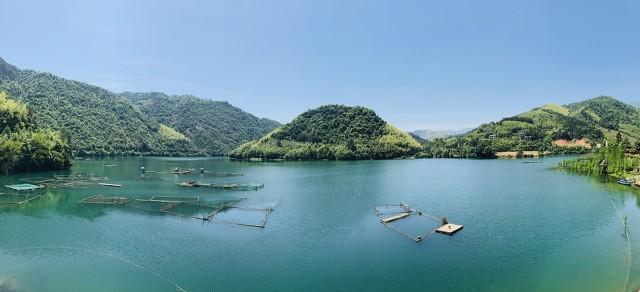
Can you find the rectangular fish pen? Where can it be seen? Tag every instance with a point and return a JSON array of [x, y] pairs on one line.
[[244, 216], [17, 198], [227, 186], [38, 180], [188, 207], [223, 174], [410, 222], [105, 200]]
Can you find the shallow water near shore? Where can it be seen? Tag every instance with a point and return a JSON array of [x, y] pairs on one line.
[[526, 228]]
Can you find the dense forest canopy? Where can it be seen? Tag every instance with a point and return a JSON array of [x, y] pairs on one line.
[[333, 132], [101, 122], [26, 147], [541, 129], [213, 127]]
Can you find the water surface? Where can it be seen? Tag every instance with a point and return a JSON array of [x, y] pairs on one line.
[[527, 228]]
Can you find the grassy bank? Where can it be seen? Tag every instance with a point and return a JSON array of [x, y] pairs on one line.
[[612, 160]]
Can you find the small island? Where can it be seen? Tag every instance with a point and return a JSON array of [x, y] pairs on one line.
[[332, 132], [24, 146]]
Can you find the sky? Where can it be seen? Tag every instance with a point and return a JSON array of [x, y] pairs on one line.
[[418, 64]]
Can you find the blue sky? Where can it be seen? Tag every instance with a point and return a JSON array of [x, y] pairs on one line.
[[419, 64]]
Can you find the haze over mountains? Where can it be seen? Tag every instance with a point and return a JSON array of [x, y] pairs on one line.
[[432, 134]]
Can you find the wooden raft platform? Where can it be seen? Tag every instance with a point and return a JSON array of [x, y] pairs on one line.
[[449, 228], [23, 187], [394, 217], [110, 185]]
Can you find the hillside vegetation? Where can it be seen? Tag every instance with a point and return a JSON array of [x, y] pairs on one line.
[[26, 147], [573, 128], [213, 127], [333, 132], [97, 120], [100, 122]]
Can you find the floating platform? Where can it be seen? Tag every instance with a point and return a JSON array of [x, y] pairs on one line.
[[110, 185], [394, 217], [390, 213], [217, 173], [23, 187], [179, 170], [449, 228], [229, 186]]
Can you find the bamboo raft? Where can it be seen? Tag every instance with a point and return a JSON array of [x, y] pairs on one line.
[[395, 217]]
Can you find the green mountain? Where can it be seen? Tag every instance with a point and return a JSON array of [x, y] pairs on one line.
[[551, 128], [97, 120], [213, 127], [334, 132], [102, 122], [26, 147]]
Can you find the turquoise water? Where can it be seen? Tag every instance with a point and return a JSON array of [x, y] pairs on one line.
[[526, 228]]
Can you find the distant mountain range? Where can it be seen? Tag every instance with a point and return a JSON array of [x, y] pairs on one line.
[[102, 122], [428, 134]]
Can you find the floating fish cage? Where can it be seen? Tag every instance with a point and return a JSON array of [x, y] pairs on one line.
[[227, 211], [411, 222], [38, 180], [188, 207], [173, 198], [105, 200], [76, 184], [146, 177], [17, 198], [227, 186], [79, 180], [82, 176], [252, 217], [219, 173]]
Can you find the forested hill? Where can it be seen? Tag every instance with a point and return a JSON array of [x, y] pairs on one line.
[[26, 147], [215, 127], [333, 132], [575, 127], [101, 122], [97, 120]]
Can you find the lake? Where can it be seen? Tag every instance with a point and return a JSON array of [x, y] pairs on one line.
[[526, 228]]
